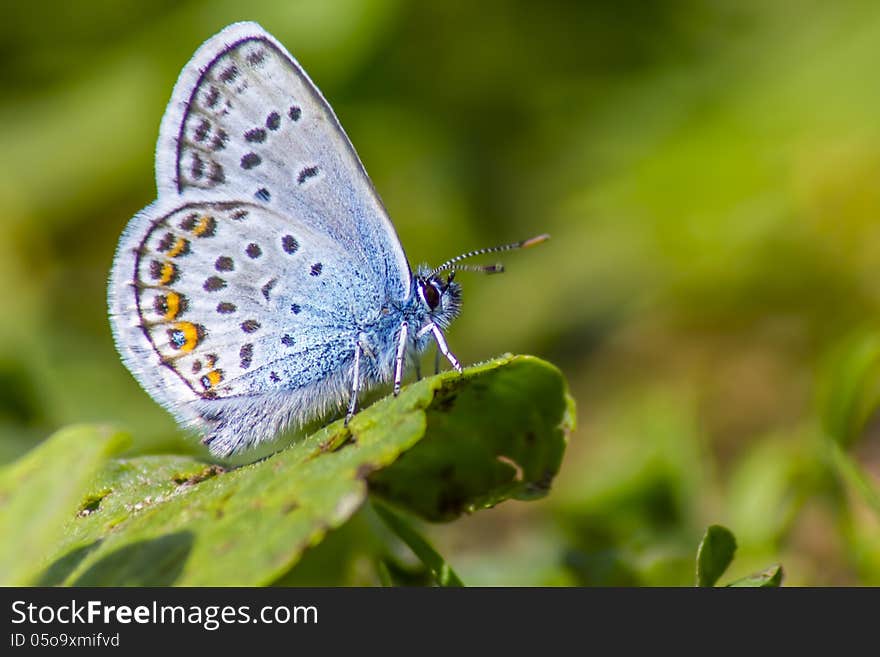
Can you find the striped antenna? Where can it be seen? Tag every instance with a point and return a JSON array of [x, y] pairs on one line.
[[491, 269]]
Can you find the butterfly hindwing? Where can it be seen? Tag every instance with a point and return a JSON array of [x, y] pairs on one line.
[[231, 300], [246, 123]]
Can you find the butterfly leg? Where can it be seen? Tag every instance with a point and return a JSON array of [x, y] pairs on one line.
[[437, 362], [441, 343], [399, 357], [355, 382]]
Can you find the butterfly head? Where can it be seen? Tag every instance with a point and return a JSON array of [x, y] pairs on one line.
[[438, 298]]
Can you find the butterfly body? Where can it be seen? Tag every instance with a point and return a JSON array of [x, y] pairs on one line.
[[266, 284]]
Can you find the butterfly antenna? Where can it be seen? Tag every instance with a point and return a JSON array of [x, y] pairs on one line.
[[489, 269]]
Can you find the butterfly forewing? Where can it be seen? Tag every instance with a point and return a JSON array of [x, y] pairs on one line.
[[246, 123]]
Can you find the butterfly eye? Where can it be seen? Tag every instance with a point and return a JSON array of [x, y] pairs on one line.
[[431, 295]]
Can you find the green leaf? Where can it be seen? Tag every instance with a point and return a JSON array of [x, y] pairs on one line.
[[851, 388], [162, 520], [443, 573], [769, 578], [40, 492], [492, 434], [714, 554]]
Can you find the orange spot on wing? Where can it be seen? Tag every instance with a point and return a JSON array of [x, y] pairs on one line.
[[205, 223], [172, 301], [166, 274], [215, 377], [191, 335], [178, 248]]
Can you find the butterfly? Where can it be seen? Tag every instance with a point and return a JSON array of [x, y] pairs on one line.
[[266, 284]]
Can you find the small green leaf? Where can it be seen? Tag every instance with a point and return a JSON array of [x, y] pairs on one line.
[[714, 554], [443, 573], [769, 578], [40, 492]]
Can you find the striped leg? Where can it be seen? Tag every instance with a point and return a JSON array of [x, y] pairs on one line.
[[355, 383], [399, 358], [441, 343]]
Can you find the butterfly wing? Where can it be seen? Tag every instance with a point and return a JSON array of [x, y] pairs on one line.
[[246, 122], [234, 317], [235, 295]]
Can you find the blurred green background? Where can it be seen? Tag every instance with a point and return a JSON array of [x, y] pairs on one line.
[[709, 174]]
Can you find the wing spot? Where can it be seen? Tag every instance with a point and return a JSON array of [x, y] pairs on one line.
[[197, 366], [220, 140], [166, 242], [253, 250], [250, 160], [240, 215], [202, 130], [250, 326], [224, 263], [229, 74], [212, 97], [206, 226], [306, 173], [263, 194], [274, 378], [256, 57], [226, 308], [197, 167], [214, 283], [211, 379], [294, 113], [164, 272], [246, 355], [295, 309], [316, 269], [180, 247], [255, 135], [217, 176], [267, 288], [287, 341], [185, 336], [273, 121], [289, 244], [170, 305]]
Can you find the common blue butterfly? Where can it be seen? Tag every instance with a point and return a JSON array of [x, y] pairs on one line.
[[266, 283]]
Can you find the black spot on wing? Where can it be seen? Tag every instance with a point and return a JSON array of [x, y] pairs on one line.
[[245, 355], [267, 288], [289, 244], [229, 74], [263, 194], [224, 263], [250, 160], [294, 113], [201, 131], [273, 121], [256, 58], [226, 308], [250, 326], [253, 250], [214, 283], [306, 173], [255, 135], [316, 269], [217, 175]]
